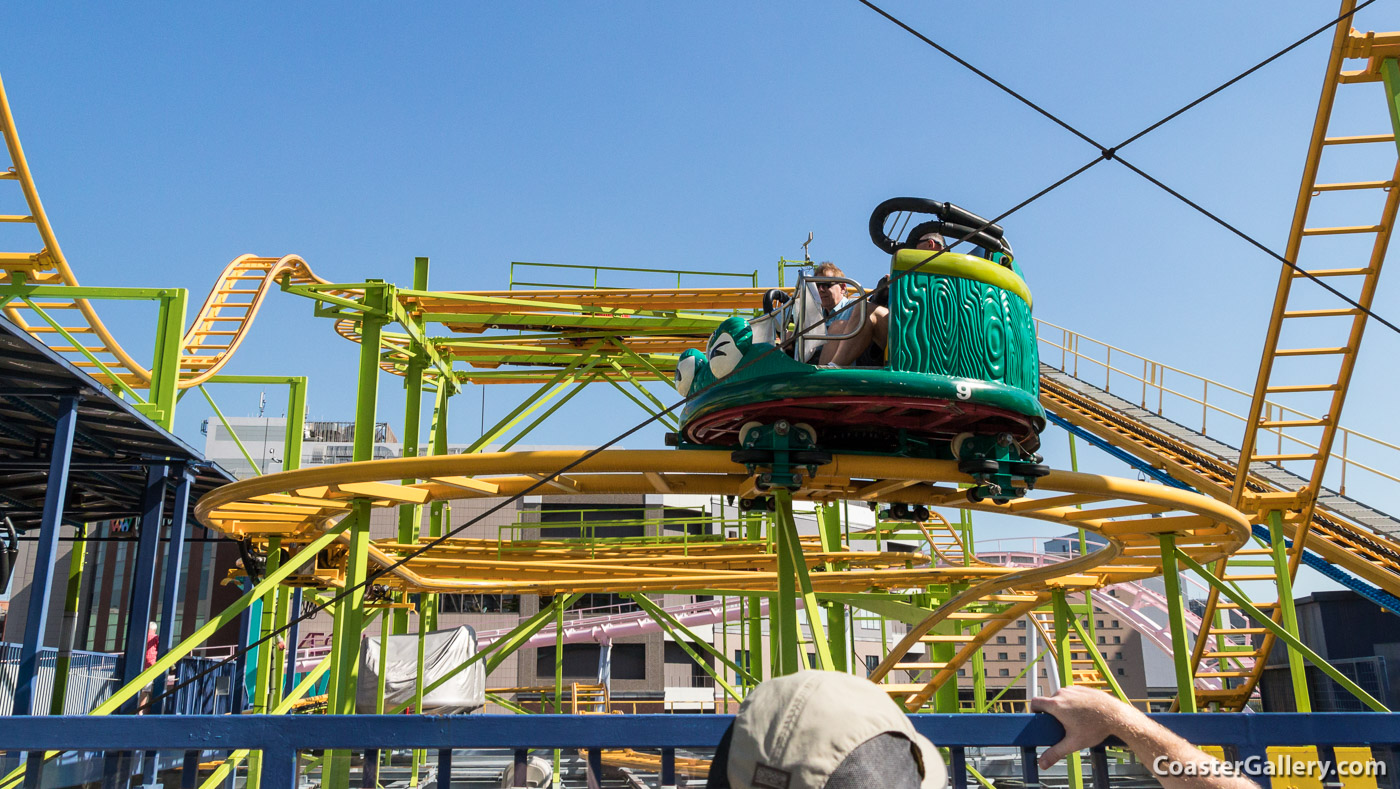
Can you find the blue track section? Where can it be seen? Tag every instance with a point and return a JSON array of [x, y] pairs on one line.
[[1379, 596]]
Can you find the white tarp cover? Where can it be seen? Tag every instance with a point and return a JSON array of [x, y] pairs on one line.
[[443, 650]]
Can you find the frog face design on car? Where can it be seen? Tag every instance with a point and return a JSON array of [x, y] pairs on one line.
[[730, 342], [691, 365], [728, 345]]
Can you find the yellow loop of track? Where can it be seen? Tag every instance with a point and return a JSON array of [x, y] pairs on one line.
[[1131, 515]]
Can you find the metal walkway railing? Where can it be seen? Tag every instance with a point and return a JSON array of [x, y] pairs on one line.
[[92, 676], [1209, 407]]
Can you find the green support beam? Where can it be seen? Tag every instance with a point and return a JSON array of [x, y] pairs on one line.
[[411, 515], [783, 635], [987, 705], [1065, 666], [350, 612], [238, 442], [1390, 76], [1086, 638], [548, 391], [797, 564], [1297, 672], [886, 605], [263, 655], [1249, 609], [677, 629], [165, 364], [829, 524], [753, 531], [1176, 620]]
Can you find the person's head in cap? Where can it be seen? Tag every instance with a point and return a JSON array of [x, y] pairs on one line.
[[824, 730]]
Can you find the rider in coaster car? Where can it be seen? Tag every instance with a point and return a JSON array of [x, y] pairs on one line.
[[865, 348]]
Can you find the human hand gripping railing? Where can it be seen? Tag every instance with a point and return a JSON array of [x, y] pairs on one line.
[[1098, 360]]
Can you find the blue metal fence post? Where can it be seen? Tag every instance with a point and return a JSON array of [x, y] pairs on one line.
[[169, 594], [174, 569], [957, 768], [189, 770], [1030, 769], [143, 579], [46, 550], [595, 768], [444, 770], [668, 768]]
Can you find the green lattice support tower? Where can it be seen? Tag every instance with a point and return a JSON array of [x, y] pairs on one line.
[[350, 612]]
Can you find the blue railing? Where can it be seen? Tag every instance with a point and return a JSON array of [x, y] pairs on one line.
[[92, 677], [1245, 737]]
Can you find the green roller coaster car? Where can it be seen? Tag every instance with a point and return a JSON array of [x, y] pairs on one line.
[[960, 378]]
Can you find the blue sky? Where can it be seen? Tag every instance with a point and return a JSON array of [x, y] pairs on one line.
[[168, 139]]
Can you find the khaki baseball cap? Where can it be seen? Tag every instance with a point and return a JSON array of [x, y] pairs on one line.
[[824, 730]]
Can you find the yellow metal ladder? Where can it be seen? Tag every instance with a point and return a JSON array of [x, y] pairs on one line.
[[1310, 349]]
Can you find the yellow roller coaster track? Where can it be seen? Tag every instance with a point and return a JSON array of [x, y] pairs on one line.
[[1132, 516], [218, 329]]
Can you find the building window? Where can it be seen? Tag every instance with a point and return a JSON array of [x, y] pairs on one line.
[[1001, 639], [1121, 672], [1021, 656], [629, 661], [1117, 640], [1021, 624], [1003, 672], [1098, 623], [1117, 655], [1020, 639], [96, 593], [1001, 656], [1101, 640], [118, 587], [1115, 623], [962, 672], [741, 659]]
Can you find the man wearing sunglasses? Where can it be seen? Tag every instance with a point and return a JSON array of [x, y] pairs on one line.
[[866, 347]]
